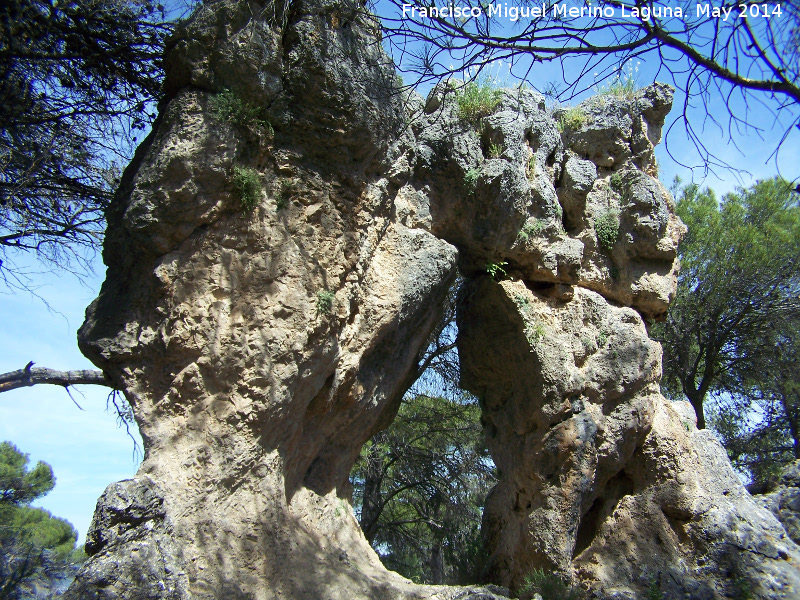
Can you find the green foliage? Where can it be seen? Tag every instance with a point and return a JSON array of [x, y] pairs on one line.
[[572, 119], [624, 85], [606, 226], [532, 229], [602, 338], [496, 270], [79, 83], [228, 106], [495, 150], [419, 490], [476, 100], [325, 302], [17, 484], [654, 590], [550, 586], [618, 184], [733, 332], [742, 589], [535, 333], [247, 183], [471, 179], [282, 194], [35, 547]]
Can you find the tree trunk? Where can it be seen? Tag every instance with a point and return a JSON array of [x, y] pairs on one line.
[[696, 401], [437, 563], [371, 507]]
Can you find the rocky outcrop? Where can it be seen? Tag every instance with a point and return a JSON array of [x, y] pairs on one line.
[[278, 253], [601, 477], [782, 498]]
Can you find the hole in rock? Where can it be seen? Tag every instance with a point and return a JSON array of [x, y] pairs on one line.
[[618, 486], [420, 485]]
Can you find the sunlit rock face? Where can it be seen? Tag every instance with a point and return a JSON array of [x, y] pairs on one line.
[[601, 478], [260, 348]]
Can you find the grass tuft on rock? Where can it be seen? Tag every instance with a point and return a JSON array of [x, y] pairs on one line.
[[477, 100]]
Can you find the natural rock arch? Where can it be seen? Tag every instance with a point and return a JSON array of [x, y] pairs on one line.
[[254, 390]]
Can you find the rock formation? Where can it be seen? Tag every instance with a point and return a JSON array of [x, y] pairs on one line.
[[277, 255], [782, 498]]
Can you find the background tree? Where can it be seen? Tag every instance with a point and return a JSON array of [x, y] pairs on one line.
[[78, 81], [420, 486], [735, 63], [37, 550], [731, 332], [761, 431]]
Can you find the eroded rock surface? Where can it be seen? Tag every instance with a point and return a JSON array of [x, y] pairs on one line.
[[260, 349], [782, 498], [601, 477]]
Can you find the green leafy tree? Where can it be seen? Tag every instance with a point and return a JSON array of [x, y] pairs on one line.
[[419, 490], [78, 79], [769, 437], [37, 550], [731, 332]]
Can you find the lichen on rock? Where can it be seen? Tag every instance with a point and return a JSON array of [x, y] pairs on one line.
[[260, 349]]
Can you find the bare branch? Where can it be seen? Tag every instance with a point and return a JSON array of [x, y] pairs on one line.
[[29, 376]]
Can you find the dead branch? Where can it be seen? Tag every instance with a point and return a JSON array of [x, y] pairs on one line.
[[29, 376]]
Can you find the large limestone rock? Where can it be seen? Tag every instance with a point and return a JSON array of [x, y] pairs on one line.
[[782, 498], [601, 477], [260, 349]]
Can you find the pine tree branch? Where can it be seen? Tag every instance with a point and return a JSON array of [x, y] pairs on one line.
[[32, 376]]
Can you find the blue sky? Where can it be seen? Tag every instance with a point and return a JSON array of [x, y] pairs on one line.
[[87, 449]]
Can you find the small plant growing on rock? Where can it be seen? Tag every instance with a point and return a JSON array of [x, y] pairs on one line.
[[530, 169], [229, 107], [623, 85], [495, 150], [606, 226], [282, 194], [654, 590], [572, 119], [325, 302], [522, 302], [560, 218], [477, 100], [247, 182], [617, 183], [471, 179], [532, 229], [602, 338], [550, 586], [496, 270], [535, 333]]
